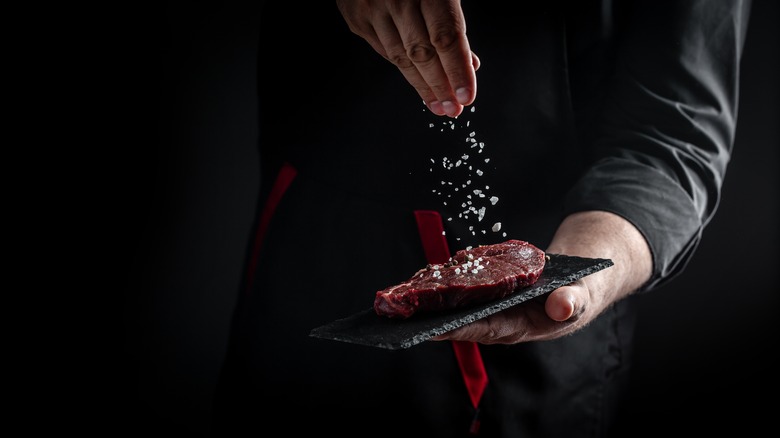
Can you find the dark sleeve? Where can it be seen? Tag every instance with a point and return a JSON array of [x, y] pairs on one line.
[[664, 138]]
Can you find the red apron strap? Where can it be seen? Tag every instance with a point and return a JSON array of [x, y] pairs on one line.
[[284, 178], [431, 229], [472, 368]]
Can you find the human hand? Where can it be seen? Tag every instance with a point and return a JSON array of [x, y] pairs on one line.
[[426, 40], [559, 313], [569, 308]]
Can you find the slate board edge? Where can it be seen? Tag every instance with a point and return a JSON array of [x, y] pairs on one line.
[[322, 332], [502, 305]]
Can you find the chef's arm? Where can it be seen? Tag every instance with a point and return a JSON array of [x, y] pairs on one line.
[[661, 146], [664, 137]]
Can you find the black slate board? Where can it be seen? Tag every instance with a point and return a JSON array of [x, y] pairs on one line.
[[368, 328]]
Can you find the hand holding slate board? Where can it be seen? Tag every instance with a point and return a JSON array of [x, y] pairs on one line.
[[368, 328]]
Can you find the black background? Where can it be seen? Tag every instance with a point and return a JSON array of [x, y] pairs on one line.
[[705, 359]]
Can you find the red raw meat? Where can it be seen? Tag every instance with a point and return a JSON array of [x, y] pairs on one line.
[[471, 276]]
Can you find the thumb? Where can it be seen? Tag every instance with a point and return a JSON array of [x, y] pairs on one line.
[[561, 304]]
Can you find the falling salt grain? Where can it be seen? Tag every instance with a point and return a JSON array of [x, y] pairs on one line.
[[469, 208]]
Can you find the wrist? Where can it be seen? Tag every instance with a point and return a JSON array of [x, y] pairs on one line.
[[601, 234]]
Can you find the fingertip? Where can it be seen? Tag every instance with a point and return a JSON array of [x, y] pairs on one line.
[[436, 107], [464, 96], [451, 109], [560, 305]]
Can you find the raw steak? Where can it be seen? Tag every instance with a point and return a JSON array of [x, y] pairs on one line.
[[471, 276]]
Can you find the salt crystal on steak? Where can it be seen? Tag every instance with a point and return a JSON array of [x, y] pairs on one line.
[[472, 276]]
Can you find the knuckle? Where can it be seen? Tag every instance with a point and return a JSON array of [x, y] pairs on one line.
[[400, 59], [496, 331], [444, 38], [420, 53]]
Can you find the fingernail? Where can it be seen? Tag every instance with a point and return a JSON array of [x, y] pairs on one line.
[[449, 108], [575, 311], [463, 95], [436, 108]]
